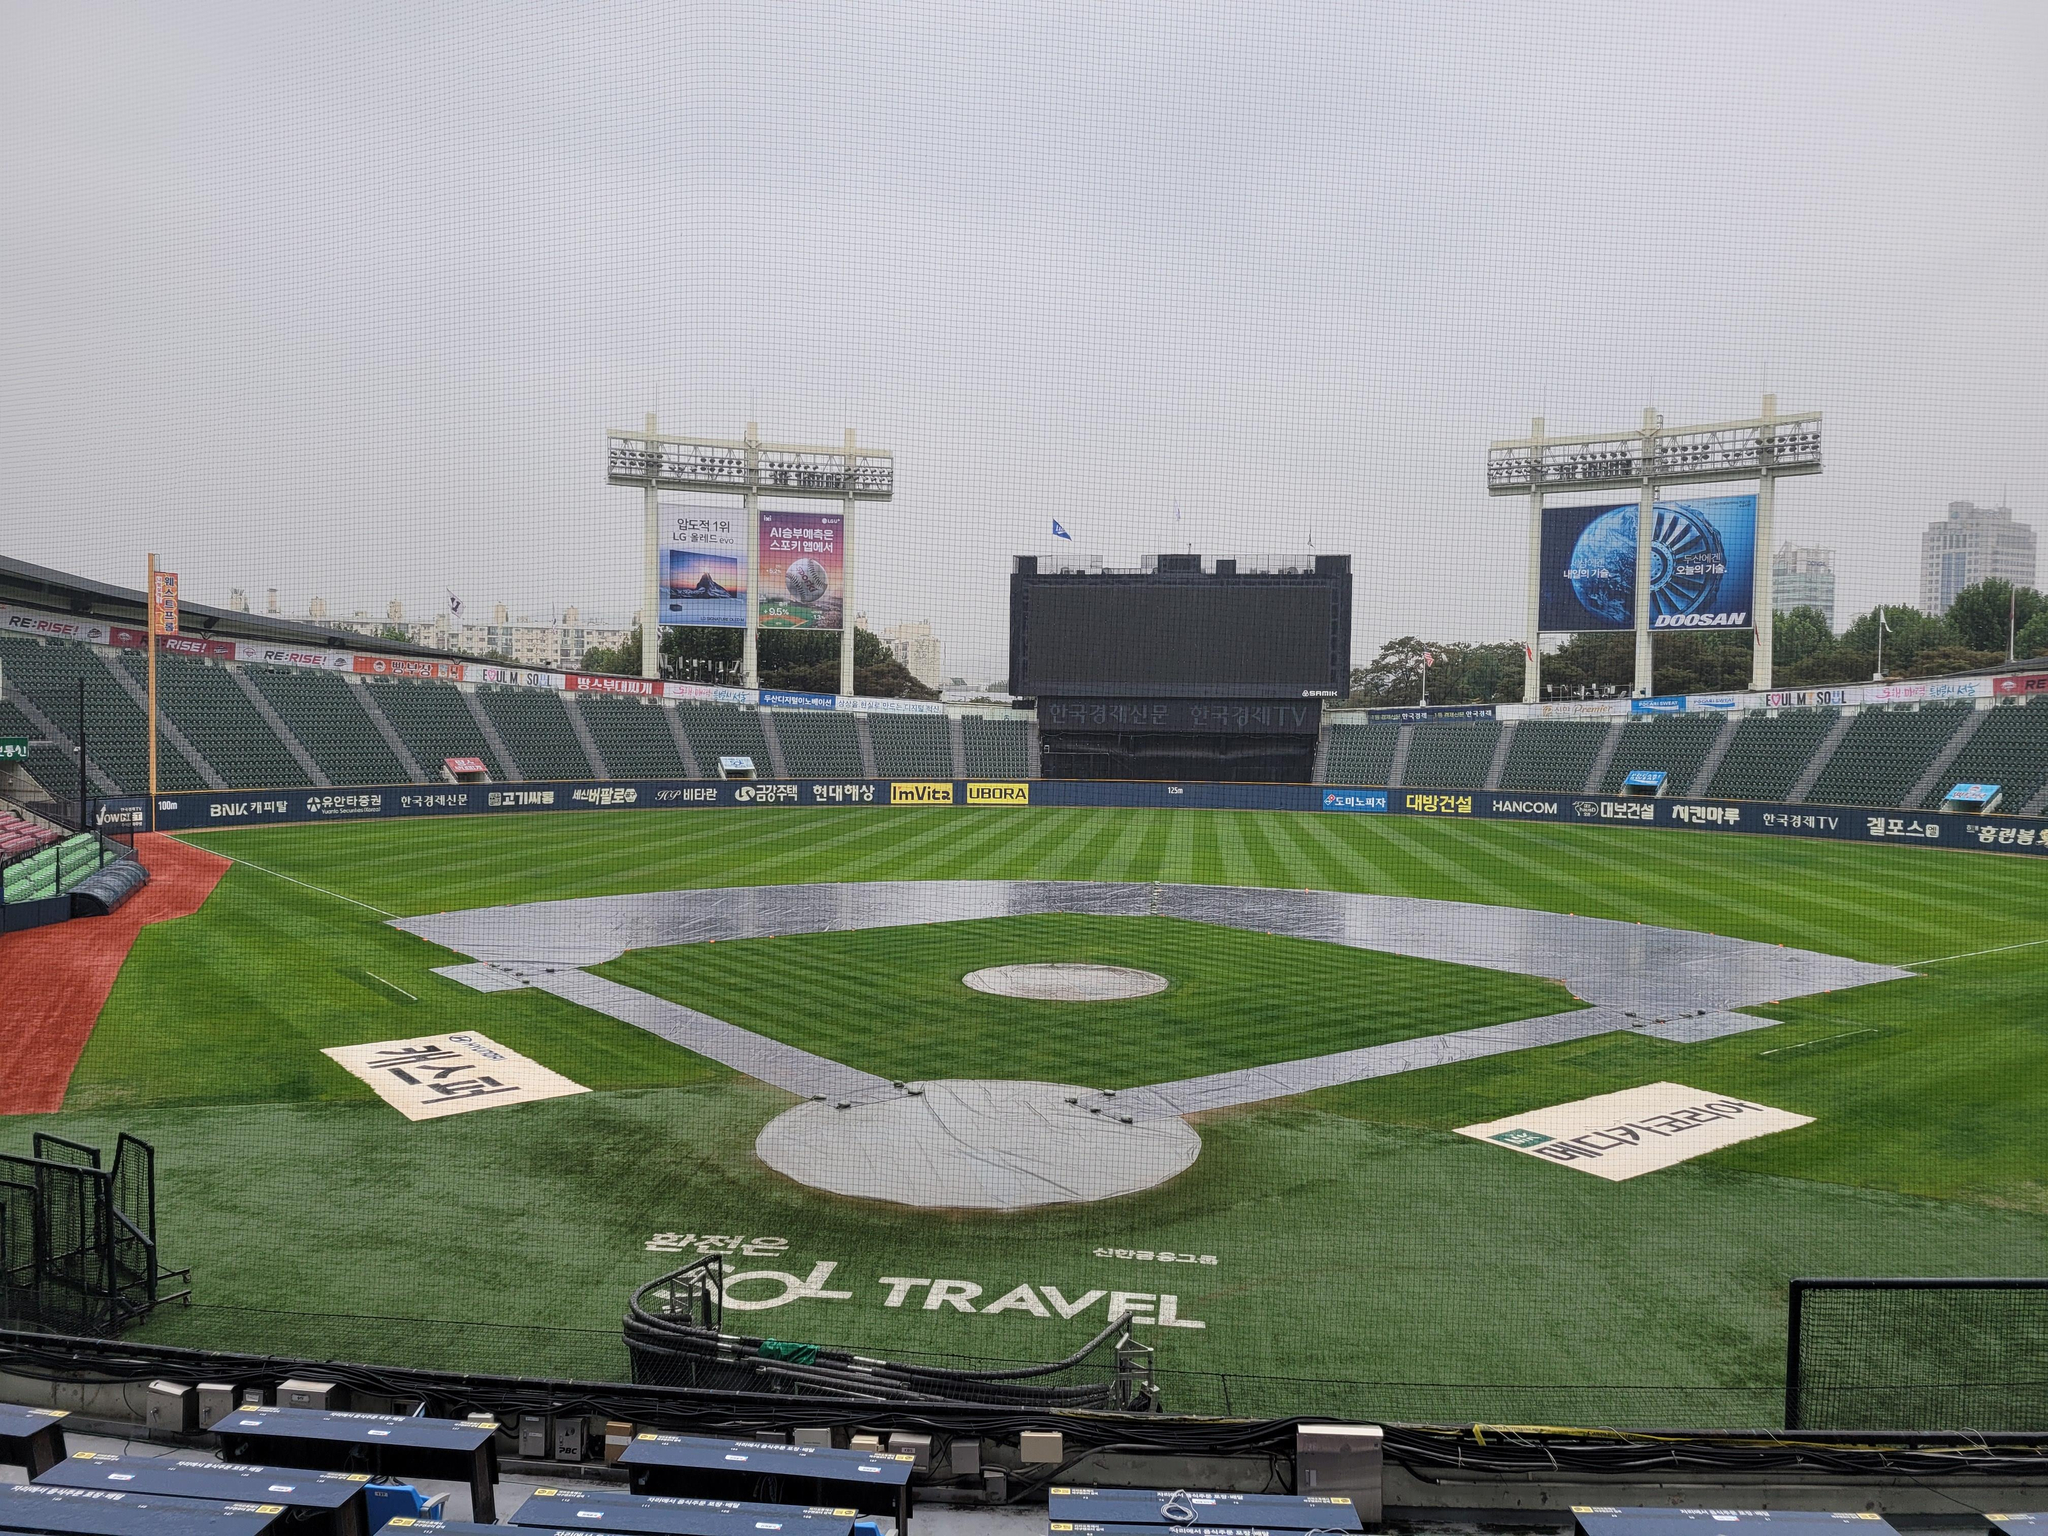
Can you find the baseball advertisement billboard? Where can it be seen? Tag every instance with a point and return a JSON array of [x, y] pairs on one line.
[[802, 577], [703, 569], [1702, 552]]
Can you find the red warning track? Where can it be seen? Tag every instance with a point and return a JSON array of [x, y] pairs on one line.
[[55, 980]]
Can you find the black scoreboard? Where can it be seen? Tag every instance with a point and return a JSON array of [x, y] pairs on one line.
[[1178, 672], [1180, 632]]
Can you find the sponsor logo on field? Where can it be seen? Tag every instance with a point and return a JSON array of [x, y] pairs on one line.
[[1615, 810], [1440, 805], [999, 794], [1525, 807], [920, 794], [765, 794], [1617, 1136], [1354, 799], [432, 1076]]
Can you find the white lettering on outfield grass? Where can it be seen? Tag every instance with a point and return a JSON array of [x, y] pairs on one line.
[[1619, 1135], [434, 1075]]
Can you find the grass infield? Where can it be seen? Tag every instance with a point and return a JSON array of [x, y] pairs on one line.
[[1356, 1241]]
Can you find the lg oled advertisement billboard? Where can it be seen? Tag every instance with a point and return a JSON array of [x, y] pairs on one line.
[[703, 575], [1702, 552]]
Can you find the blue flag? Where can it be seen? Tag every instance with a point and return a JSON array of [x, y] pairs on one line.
[[1060, 533]]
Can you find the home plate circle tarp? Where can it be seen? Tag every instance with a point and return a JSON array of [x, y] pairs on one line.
[[957, 1144], [1066, 982]]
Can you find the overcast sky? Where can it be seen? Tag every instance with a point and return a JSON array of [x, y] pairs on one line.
[[340, 299]]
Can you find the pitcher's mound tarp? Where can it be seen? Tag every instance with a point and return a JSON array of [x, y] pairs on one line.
[[56, 979]]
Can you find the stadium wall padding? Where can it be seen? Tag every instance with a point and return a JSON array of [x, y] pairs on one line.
[[194, 811]]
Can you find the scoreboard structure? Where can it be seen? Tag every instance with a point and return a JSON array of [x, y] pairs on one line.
[[1181, 672]]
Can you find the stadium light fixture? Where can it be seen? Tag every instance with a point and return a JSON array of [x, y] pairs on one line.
[[1762, 449], [748, 468]]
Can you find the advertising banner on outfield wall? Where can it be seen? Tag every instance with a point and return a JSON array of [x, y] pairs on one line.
[[2021, 683], [803, 580], [1702, 554], [703, 568], [1916, 829]]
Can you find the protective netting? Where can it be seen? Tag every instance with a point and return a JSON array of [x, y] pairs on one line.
[[1919, 1354]]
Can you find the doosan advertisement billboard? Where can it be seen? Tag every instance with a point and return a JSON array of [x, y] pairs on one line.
[[1701, 556]]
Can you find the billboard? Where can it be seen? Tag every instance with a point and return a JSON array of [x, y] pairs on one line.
[[703, 569], [1702, 553], [803, 583]]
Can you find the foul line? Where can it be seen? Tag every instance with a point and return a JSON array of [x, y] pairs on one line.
[[1973, 954], [295, 880], [394, 986]]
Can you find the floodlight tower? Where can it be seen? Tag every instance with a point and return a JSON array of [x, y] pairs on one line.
[[1762, 449], [746, 467]]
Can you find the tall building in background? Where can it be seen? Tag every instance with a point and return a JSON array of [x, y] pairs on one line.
[[1803, 577], [918, 648], [1970, 545]]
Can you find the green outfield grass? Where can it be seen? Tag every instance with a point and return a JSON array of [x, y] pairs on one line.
[[1356, 1239]]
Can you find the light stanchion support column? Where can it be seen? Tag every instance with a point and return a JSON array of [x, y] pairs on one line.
[[846, 578], [1532, 659], [650, 594], [1646, 532], [1763, 600], [150, 592], [750, 646]]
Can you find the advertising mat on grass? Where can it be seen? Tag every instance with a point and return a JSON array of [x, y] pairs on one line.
[[1617, 1136], [431, 1076]]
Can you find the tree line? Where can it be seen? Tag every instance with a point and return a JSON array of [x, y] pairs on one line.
[[1806, 654], [799, 660]]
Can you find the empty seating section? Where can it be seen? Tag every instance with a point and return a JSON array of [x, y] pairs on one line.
[[322, 712], [2010, 750], [48, 673], [1552, 756], [818, 746], [56, 769], [19, 835], [1766, 756], [223, 727], [632, 737], [1885, 753], [911, 746], [51, 870], [1451, 754], [1677, 744], [996, 749], [434, 723], [534, 725], [1361, 754], [723, 730]]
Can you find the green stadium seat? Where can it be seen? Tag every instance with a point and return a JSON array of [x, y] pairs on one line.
[[1678, 744], [216, 717], [1451, 754], [2010, 750], [911, 746], [996, 748], [1885, 753], [632, 736], [323, 712], [1552, 757], [816, 745], [1361, 753], [724, 730], [534, 725], [1767, 755], [434, 723]]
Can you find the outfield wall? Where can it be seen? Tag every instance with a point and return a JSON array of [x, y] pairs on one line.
[[194, 811]]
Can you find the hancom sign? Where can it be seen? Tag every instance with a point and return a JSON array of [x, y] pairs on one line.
[[1702, 557]]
